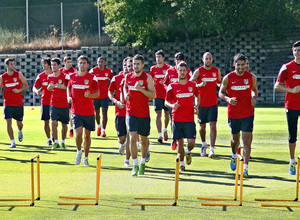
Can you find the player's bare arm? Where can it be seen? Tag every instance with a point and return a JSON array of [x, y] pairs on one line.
[[115, 101], [1, 84], [197, 103], [90, 95], [222, 92], [24, 82], [254, 91], [125, 89], [280, 87], [69, 95], [195, 75], [219, 79]]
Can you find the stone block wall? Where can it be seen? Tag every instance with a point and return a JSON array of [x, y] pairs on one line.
[[265, 53]]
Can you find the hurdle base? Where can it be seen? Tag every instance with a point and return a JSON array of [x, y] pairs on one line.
[[32, 204], [275, 200], [14, 205], [215, 199], [76, 203], [38, 198], [284, 206], [79, 198], [15, 200], [152, 204], [296, 199], [153, 198], [219, 204]]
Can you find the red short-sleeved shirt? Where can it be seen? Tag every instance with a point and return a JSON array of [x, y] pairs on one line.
[[10, 83], [59, 96], [290, 75], [71, 70], [116, 87], [184, 94], [172, 76], [79, 85], [158, 74], [42, 80], [103, 77]]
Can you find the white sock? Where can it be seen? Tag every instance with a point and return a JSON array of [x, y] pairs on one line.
[[19, 130], [165, 129], [187, 151], [234, 156], [70, 127], [292, 160], [126, 161], [79, 151], [135, 162], [245, 166], [212, 149], [49, 139], [62, 141], [204, 144], [99, 125], [12, 141], [182, 163], [85, 158], [56, 141], [159, 135], [239, 146], [143, 160], [103, 130]]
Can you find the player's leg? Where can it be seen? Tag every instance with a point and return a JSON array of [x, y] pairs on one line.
[[87, 145], [78, 141], [202, 120], [167, 120], [97, 105], [212, 117], [104, 121], [144, 131], [158, 126], [189, 130]]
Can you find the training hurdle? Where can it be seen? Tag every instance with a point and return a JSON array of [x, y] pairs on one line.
[[285, 200], [175, 198], [37, 157], [240, 164], [86, 198]]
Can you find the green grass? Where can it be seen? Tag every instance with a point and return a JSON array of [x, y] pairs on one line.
[[268, 172]]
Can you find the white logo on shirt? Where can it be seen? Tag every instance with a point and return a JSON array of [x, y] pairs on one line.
[[240, 87], [297, 76]]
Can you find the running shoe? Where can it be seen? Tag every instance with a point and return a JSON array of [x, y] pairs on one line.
[[245, 172], [85, 162], [121, 149], [12, 145], [182, 168], [160, 140], [49, 143], [71, 133], [62, 146], [211, 154], [233, 164], [166, 136], [98, 131], [126, 164], [174, 145], [142, 169], [20, 136], [292, 168], [103, 134], [203, 151], [188, 159], [135, 170], [148, 156], [78, 158], [55, 146]]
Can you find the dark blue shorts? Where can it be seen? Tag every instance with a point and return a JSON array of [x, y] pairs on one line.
[[207, 114], [15, 112], [159, 104], [88, 122], [60, 114], [101, 103], [120, 126], [183, 130], [140, 125], [244, 124], [292, 120], [45, 112]]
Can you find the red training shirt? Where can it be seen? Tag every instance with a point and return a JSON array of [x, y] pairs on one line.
[[103, 77], [158, 74], [42, 80], [10, 83], [116, 87], [59, 96]]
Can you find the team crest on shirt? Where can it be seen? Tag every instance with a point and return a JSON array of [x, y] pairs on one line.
[[141, 82], [164, 71], [214, 74], [15, 79], [86, 81], [106, 74], [190, 89], [246, 81], [60, 81]]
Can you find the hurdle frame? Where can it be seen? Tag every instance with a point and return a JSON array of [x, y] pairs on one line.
[[175, 198], [285, 200], [96, 198], [37, 157], [240, 163]]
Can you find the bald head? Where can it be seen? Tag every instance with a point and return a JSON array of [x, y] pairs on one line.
[[207, 60]]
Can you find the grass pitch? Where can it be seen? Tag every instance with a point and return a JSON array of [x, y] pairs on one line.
[[268, 174]]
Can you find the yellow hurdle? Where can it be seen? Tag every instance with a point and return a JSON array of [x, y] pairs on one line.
[[37, 157], [284, 200], [239, 168], [175, 198], [96, 198]]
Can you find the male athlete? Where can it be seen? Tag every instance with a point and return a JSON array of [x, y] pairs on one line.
[[289, 75], [207, 78], [239, 89]]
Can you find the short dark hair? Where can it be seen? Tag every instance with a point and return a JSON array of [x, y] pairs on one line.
[[67, 58], [139, 57], [101, 58], [179, 56], [160, 52], [46, 60], [296, 44], [182, 63], [125, 59], [56, 60], [7, 60], [83, 57], [238, 57]]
